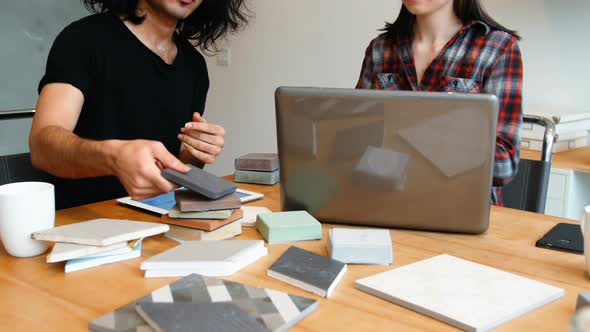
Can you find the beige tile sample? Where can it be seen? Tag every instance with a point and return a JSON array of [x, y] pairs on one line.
[[467, 295], [101, 232]]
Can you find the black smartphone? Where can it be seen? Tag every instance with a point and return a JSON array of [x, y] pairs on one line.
[[563, 237]]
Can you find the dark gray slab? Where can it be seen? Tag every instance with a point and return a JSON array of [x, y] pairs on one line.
[[200, 181], [307, 267], [198, 317]]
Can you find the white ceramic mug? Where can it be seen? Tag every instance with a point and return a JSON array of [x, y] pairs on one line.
[[25, 208], [586, 233]]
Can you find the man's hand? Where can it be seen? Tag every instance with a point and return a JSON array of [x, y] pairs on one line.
[[138, 164], [203, 140]]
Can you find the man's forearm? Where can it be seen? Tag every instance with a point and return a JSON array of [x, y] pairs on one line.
[[64, 154]]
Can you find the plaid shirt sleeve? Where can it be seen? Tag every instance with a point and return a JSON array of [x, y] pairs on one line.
[[505, 81], [366, 77]]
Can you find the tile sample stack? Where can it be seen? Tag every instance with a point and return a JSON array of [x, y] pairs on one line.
[[198, 218], [97, 242], [181, 234], [187, 201], [258, 168]]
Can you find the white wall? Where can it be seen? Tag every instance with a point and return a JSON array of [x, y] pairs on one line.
[[303, 42], [322, 43], [555, 48]]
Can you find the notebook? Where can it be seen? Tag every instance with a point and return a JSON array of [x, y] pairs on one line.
[[289, 226], [101, 232], [117, 255], [161, 204], [191, 202], [201, 182], [267, 162], [203, 224], [309, 271], [65, 251], [467, 295], [360, 245], [181, 234], [201, 317], [251, 213], [277, 311], [211, 258]]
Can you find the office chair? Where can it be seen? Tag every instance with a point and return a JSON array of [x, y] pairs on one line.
[[528, 190], [19, 168]]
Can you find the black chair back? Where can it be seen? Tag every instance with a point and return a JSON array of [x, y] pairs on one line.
[[528, 190], [68, 193]]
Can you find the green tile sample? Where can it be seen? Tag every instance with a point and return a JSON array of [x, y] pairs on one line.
[[288, 226], [257, 177]]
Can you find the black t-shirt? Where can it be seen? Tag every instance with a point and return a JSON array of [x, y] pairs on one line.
[[129, 91]]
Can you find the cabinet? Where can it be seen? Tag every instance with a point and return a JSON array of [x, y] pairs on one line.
[[568, 191], [557, 192]]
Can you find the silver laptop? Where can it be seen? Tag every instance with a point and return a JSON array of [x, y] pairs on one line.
[[392, 159]]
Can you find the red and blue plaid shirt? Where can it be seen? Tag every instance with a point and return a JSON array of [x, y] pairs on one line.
[[478, 59]]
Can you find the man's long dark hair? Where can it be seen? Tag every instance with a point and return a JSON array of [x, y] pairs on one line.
[[466, 11], [212, 20]]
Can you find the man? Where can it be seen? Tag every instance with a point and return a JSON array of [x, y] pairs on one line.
[[124, 93]]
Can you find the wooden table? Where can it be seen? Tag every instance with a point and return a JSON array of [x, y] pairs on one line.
[[39, 296]]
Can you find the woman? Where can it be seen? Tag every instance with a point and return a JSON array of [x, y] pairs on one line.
[[453, 45]]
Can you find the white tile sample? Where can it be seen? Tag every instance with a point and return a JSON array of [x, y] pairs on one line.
[[360, 245], [101, 232], [467, 295], [210, 258], [66, 251]]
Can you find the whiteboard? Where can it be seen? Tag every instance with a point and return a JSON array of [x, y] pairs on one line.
[[27, 31]]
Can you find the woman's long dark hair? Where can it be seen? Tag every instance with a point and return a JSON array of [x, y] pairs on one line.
[[466, 11], [210, 22]]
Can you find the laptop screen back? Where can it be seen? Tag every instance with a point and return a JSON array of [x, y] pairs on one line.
[[393, 159]]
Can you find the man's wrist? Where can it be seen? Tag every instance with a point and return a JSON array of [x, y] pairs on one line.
[[109, 149]]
